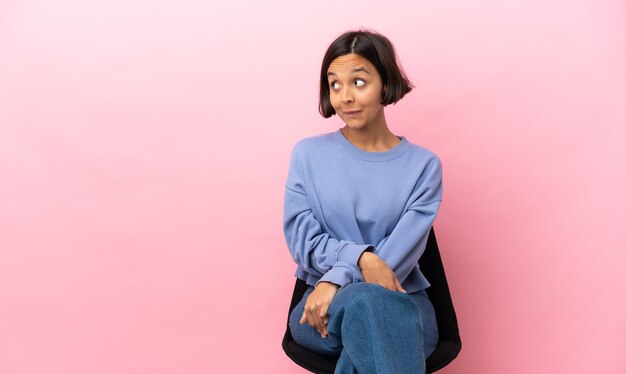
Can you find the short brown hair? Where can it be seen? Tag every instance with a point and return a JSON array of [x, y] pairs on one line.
[[379, 51]]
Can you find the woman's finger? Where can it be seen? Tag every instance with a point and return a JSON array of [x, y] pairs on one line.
[[303, 320], [323, 319], [399, 285], [318, 316], [309, 315], [324, 313], [319, 323], [391, 283], [312, 315], [325, 326]]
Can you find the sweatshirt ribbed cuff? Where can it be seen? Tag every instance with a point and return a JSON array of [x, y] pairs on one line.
[[351, 252], [340, 274]]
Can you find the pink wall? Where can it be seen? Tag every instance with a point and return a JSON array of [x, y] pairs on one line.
[[144, 148]]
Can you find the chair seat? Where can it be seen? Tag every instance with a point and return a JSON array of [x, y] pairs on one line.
[[446, 351], [310, 360]]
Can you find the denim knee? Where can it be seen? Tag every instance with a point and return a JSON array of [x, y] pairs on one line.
[[307, 336], [362, 288]]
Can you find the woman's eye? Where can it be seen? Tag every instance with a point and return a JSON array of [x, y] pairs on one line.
[[332, 85], [359, 80]]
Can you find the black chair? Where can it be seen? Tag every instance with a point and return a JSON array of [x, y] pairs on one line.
[[448, 346]]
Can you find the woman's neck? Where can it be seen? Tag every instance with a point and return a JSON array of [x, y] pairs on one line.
[[371, 140]]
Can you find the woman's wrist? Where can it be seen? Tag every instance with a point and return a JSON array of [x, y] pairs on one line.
[[364, 258], [328, 283]]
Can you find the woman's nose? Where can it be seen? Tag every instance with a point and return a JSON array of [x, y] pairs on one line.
[[346, 96]]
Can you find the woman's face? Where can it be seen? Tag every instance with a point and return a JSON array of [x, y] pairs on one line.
[[355, 91]]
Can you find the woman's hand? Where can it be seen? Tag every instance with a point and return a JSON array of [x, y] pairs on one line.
[[376, 270], [317, 305]]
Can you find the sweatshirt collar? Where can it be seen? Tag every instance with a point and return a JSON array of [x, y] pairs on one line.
[[371, 156]]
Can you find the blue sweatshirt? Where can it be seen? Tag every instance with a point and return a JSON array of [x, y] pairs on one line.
[[341, 200]]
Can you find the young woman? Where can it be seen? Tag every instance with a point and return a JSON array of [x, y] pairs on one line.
[[359, 204]]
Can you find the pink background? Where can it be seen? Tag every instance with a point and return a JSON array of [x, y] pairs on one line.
[[144, 148]]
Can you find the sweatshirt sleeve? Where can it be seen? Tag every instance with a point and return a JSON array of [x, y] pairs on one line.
[[332, 259], [404, 246]]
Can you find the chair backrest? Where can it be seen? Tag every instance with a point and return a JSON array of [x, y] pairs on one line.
[[448, 346], [439, 294]]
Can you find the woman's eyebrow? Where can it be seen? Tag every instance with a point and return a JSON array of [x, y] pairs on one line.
[[355, 70]]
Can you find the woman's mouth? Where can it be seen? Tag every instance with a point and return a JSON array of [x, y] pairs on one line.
[[352, 113]]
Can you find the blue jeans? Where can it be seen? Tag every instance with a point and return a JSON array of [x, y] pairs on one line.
[[372, 330]]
